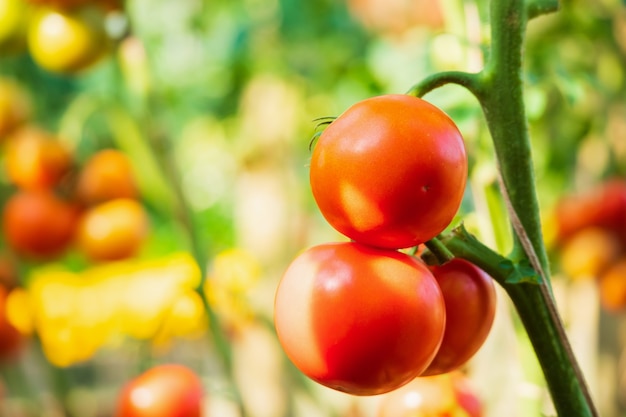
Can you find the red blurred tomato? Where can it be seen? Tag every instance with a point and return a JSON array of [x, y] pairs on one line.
[[107, 175], [11, 339], [36, 159], [602, 206], [359, 319], [447, 395], [68, 40], [390, 171], [470, 298], [112, 230], [169, 390], [38, 224]]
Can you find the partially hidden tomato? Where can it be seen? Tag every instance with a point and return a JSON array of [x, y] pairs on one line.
[[107, 175], [36, 159], [112, 230], [396, 17], [68, 41], [11, 340], [603, 206], [612, 287], [168, 390], [446, 395], [359, 319], [469, 295], [13, 20], [588, 252], [390, 171], [38, 224], [15, 106]]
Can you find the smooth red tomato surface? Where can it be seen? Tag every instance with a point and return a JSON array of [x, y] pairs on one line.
[[447, 395], [38, 224], [359, 319], [168, 390], [113, 230], [470, 298], [390, 171], [36, 159]]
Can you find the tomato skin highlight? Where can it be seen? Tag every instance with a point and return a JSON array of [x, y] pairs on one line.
[[390, 171], [359, 319], [470, 298], [168, 390]]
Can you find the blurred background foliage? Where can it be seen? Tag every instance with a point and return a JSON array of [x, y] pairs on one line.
[[215, 103]]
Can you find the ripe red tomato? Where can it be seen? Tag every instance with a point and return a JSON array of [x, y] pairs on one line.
[[10, 338], [444, 395], [38, 224], [112, 230], [36, 159], [470, 298], [359, 319], [107, 175], [390, 171], [168, 390]]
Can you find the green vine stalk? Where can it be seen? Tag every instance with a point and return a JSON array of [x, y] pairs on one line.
[[524, 274]]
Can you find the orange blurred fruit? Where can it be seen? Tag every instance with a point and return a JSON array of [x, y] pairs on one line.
[[113, 230], [612, 287], [36, 159], [107, 175], [588, 252]]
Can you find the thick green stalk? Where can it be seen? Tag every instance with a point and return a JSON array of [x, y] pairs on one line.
[[502, 99]]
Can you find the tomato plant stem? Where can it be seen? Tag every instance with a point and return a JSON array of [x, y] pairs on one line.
[[525, 274]]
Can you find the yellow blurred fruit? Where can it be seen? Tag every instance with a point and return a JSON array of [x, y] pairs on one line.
[[589, 252], [113, 230], [15, 105], [13, 21], [68, 41], [107, 175]]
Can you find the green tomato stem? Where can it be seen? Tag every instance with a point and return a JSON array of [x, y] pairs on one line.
[[525, 273]]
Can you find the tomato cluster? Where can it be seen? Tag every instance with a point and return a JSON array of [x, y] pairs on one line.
[[56, 202], [590, 239], [365, 317], [62, 36]]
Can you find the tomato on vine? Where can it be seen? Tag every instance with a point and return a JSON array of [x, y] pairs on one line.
[[359, 319], [169, 390], [38, 224], [469, 295], [390, 171]]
